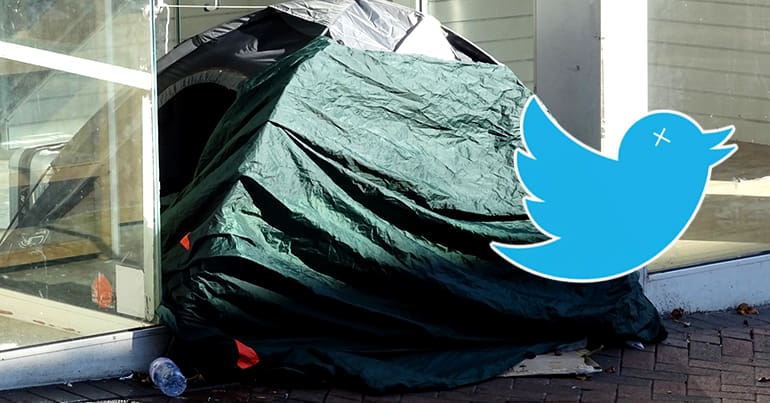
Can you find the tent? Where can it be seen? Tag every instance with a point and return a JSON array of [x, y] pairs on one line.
[[329, 200], [199, 78]]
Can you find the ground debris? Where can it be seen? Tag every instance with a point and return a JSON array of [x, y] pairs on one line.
[[746, 309], [677, 314]]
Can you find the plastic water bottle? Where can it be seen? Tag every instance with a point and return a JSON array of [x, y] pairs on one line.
[[167, 376]]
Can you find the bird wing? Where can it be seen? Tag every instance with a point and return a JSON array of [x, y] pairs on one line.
[[568, 182]]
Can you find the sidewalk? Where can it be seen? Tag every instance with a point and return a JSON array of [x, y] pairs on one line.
[[722, 357]]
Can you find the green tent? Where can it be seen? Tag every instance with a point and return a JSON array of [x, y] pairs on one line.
[[338, 226]]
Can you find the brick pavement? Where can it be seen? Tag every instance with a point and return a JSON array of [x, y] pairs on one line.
[[722, 357]]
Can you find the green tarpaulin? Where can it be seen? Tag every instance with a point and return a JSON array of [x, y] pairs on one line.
[[338, 224]]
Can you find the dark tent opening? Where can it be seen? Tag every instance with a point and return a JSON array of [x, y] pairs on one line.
[[202, 106]]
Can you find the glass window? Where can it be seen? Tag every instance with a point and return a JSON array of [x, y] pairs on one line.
[[77, 195], [710, 60]]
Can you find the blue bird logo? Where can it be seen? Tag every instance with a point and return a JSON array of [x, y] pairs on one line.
[[607, 217]]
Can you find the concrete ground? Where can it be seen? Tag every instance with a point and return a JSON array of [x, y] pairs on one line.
[[721, 357]]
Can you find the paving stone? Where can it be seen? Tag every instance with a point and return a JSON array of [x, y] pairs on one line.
[[677, 357], [484, 398], [631, 393], [762, 355], [701, 382], [737, 348], [57, 395], [721, 366], [761, 342], [89, 391], [530, 384], [745, 389], [748, 361], [720, 394], [686, 370], [499, 386], [740, 333], [760, 330], [647, 374], [22, 396], [127, 389], [599, 395], [718, 320], [704, 336], [562, 398], [455, 396], [382, 399], [758, 362], [705, 351], [526, 396], [427, 395], [738, 378], [638, 359], [678, 340], [621, 380], [667, 388]]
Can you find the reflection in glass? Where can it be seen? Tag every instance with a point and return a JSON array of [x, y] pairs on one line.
[[710, 60], [74, 242]]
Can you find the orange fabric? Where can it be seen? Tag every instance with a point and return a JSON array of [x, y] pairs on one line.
[[247, 357], [186, 241]]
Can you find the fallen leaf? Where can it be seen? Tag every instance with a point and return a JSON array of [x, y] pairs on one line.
[[746, 309], [677, 313], [610, 370], [583, 377]]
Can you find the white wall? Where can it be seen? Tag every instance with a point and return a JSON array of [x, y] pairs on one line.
[[711, 59], [504, 28], [568, 65]]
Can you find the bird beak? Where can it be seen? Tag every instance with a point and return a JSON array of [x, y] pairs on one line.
[[714, 142]]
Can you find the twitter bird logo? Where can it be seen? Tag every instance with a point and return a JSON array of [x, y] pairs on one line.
[[608, 217]]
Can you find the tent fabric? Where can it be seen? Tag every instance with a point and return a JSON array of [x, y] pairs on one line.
[[338, 224], [230, 53]]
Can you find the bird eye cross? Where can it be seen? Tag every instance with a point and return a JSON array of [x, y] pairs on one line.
[[660, 137]]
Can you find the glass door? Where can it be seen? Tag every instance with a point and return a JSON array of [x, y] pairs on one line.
[[77, 169], [710, 60]]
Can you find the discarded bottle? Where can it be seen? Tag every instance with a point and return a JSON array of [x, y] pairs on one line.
[[167, 376]]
